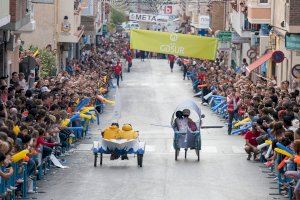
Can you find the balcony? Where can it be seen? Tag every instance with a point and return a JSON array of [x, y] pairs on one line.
[[70, 30], [4, 12], [240, 24], [20, 14], [292, 16], [259, 11], [31, 25]]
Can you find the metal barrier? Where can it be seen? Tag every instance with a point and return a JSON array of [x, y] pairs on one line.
[[18, 181]]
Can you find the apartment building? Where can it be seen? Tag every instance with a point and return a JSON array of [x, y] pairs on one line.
[[262, 27], [58, 25], [16, 18], [91, 20], [4, 19], [285, 37]]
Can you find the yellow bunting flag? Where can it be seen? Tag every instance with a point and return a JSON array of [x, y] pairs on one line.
[[174, 43]]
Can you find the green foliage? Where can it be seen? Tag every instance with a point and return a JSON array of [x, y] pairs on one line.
[[48, 63], [117, 17], [33, 48]]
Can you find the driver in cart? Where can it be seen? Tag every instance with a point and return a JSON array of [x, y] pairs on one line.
[[183, 123], [114, 132]]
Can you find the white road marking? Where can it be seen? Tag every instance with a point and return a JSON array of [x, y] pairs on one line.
[[238, 150], [209, 149], [150, 148], [84, 147]]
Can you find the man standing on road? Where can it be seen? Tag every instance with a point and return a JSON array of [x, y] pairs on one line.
[[129, 60], [185, 67], [118, 71], [232, 106], [171, 59]]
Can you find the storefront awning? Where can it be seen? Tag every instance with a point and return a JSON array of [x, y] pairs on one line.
[[259, 62]]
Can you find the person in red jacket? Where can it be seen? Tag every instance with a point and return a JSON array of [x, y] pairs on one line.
[[171, 59], [129, 60], [46, 146], [118, 72]]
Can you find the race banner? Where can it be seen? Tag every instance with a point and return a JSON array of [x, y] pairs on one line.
[[174, 43]]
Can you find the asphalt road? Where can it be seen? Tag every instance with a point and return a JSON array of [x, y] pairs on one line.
[[148, 96]]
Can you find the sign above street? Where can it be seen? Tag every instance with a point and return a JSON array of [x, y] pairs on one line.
[[224, 36], [142, 17], [204, 22], [177, 44], [168, 9]]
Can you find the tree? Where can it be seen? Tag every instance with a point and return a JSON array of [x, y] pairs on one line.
[[117, 17], [48, 63]]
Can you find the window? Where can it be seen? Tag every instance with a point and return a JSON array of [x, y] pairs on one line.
[[263, 1]]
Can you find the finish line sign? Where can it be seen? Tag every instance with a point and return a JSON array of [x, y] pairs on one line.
[[142, 17], [174, 43]]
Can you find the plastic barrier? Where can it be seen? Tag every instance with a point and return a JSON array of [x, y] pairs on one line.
[[19, 156], [283, 152]]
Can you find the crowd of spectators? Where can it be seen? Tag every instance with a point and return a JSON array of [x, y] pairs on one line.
[[272, 107], [31, 111]]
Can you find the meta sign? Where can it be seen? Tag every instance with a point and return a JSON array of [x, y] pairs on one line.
[[142, 17]]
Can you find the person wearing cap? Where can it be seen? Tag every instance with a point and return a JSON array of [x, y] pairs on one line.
[[111, 133], [190, 123]]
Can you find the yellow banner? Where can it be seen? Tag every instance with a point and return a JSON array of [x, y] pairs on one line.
[[174, 43]]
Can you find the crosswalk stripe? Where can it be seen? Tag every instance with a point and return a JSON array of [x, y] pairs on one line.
[[236, 149], [152, 149]]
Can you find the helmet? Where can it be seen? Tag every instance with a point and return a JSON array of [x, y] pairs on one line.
[[186, 112]]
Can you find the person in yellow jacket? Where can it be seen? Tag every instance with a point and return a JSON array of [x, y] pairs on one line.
[[127, 133], [111, 132]]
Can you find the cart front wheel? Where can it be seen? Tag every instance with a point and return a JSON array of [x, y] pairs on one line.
[[198, 154], [101, 158], [185, 153], [176, 153], [140, 160], [95, 159]]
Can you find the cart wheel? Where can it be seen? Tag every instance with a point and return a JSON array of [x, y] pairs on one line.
[[101, 158], [176, 153], [198, 154], [95, 159], [185, 153], [140, 160]]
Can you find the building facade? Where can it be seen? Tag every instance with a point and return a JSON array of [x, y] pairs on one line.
[[263, 26], [59, 24], [16, 18], [286, 38]]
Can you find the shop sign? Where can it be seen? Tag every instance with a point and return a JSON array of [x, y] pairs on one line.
[[168, 9], [224, 36], [292, 41], [142, 17]]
